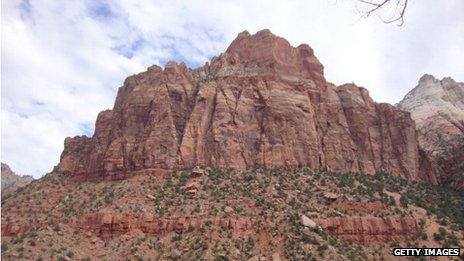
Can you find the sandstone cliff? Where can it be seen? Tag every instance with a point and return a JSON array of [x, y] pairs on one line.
[[437, 107], [12, 181], [262, 102]]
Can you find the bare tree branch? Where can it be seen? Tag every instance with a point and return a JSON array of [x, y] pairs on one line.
[[379, 6]]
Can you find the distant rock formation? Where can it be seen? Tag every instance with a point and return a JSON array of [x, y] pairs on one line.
[[12, 181], [262, 102], [437, 107]]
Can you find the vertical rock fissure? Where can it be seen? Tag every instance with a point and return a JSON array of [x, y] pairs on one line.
[[371, 142], [210, 138], [237, 99], [261, 122], [230, 109], [382, 137]]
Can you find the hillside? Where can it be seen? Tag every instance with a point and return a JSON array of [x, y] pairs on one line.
[[229, 215]]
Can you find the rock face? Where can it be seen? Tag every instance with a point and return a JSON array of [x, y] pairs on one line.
[[262, 102], [370, 230], [11, 181], [437, 107], [107, 225]]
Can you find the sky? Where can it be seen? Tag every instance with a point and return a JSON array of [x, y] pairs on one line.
[[63, 61]]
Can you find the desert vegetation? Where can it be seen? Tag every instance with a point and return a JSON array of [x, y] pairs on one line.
[[268, 202]]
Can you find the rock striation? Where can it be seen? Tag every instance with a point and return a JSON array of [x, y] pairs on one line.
[[108, 225], [12, 181], [437, 107], [262, 102], [367, 230], [362, 230]]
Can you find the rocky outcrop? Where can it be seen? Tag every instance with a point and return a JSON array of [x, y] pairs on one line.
[[363, 230], [367, 230], [437, 107], [12, 181], [108, 225], [262, 102], [16, 229]]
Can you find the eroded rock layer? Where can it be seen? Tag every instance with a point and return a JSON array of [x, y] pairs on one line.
[[366, 230], [363, 230], [108, 225], [262, 102]]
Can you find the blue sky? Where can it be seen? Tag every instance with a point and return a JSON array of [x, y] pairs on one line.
[[63, 61]]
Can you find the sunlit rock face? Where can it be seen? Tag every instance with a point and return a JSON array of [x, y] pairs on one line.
[[262, 102], [437, 107]]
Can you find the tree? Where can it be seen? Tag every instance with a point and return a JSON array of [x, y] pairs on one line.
[[389, 11]]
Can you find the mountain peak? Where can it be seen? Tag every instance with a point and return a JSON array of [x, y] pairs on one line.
[[274, 54], [437, 107], [427, 77], [430, 92], [262, 102]]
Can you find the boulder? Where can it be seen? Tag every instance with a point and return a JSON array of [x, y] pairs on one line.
[[151, 196], [197, 172], [191, 187], [307, 222], [329, 196]]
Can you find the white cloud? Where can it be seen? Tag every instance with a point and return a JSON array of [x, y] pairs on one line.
[[62, 61]]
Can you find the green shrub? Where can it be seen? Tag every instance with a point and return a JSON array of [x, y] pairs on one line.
[[404, 200], [440, 235]]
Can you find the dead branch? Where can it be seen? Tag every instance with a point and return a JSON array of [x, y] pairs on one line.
[[377, 6]]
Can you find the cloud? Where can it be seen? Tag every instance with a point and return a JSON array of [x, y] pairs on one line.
[[62, 61]]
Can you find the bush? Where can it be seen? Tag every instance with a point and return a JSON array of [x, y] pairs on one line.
[[452, 240], [440, 235], [4, 247], [176, 237], [404, 200], [422, 235], [322, 248]]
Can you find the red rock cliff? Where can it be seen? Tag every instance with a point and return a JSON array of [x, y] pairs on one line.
[[262, 102]]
